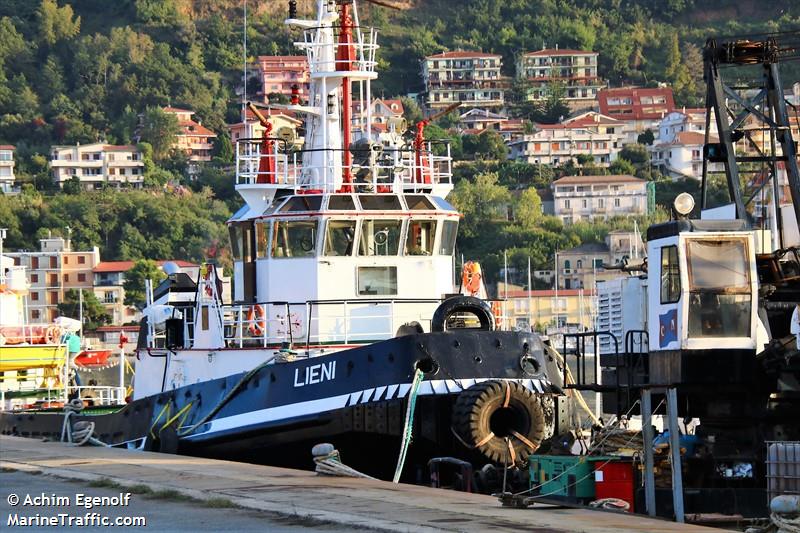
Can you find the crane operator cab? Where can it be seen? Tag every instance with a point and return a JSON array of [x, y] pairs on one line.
[[702, 300]]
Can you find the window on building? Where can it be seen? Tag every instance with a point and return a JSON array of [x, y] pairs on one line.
[[579, 264], [81, 259], [34, 296], [585, 204], [616, 202], [81, 278], [670, 275], [597, 263], [34, 263], [567, 264], [66, 259], [35, 314], [66, 278], [53, 261], [566, 204], [34, 278]]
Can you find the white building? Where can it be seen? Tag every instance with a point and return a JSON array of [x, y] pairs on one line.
[[6, 168], [574, 70], [558, 143], [682, 157], [472, 78], [97, 165], [577, 198]]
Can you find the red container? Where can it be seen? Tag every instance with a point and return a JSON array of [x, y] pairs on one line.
[[614, 480]]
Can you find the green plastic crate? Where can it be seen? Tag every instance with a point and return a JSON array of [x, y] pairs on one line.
[[563, 476]]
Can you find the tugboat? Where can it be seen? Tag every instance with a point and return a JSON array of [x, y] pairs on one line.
[[347, 325]]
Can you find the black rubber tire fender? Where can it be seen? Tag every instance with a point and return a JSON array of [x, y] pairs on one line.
[[463, 304], [472, 420]]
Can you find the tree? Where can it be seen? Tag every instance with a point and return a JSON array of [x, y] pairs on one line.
[[134, 285], [223, 148], [159, 129], [488, 145], [56, 23], [528, 208], [646, 137], [94, 314], [72, 186], [636, 154], [622, 166]]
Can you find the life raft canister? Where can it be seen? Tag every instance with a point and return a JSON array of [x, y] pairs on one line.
[[502, 419]]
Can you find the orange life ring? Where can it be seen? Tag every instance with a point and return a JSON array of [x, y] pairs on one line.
[[52, 335], [256, 320], [471, 277]]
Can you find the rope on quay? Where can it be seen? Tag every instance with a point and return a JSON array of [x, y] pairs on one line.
[[329, 463], [81, 432]]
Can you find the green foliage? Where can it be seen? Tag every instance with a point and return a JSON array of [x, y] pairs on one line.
[[159, 130], [486, 145], [622, 166], [646, 137], [135, 278], [57, 23], [94, 314]]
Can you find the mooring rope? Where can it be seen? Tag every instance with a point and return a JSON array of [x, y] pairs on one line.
[[409, 425]]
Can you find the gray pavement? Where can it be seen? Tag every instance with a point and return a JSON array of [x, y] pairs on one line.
[[165, 512]]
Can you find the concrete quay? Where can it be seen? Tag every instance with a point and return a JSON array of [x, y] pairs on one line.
[[355, 503]]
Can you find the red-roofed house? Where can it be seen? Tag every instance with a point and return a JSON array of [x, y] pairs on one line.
[[577, 198], [97, 165], [590, 134], [472, 78], [6, 168], [640, 108], [682, 157], [109, 277], [574, 70], [382, 111], [280, 73], [193, 138]]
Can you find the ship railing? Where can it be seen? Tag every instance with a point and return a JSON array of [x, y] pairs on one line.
[[322, 322], [99, 394], [315, 42], [377, 169]]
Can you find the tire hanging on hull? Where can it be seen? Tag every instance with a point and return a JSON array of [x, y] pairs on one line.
[[501, 419]]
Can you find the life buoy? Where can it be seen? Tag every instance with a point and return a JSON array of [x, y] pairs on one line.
[[501, 419], [257, 324], [471, 277], [52, 335]]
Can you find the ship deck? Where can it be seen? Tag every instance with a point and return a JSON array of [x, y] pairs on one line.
[[364, 503]]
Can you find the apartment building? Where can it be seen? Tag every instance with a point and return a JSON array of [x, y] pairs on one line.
[[640, 108], [541, 309], [7, 168], [194, 139], [472, 78], [52, 271], [682, 157], [587, 198], [585, 265], [685, 119], [109, 278], [98, 165], [555, 144], [280, 74], [573, 70]]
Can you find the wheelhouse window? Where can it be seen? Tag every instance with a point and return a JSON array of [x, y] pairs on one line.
[[448, 243], [294, 238], [420, 237], [302, 203], [377, 281], [235, 232], [262, 238], [719, 288], [341, 202], [339, 238], [379, 237], [379, 202], [670, 275], [416, 203]]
